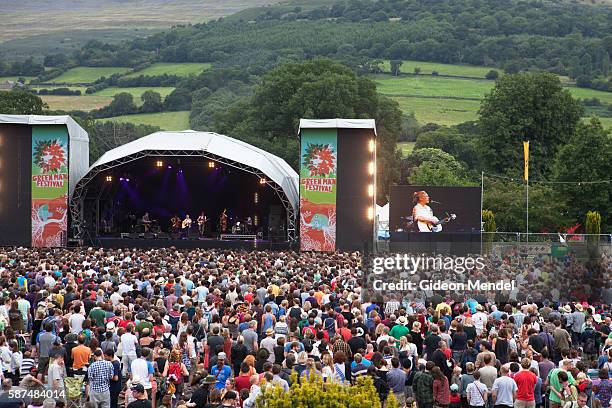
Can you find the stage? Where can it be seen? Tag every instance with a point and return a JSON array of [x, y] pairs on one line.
[[190, 243]]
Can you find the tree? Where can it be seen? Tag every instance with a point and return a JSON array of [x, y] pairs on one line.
[[593, 228], [19, 102], [434, 167], [492, 75], [526, 106], [490, 227], [586, 157], [417, 70], [152, 102], [431, 173], [122, 104], [460, 145], [395, 66], [506, 198]]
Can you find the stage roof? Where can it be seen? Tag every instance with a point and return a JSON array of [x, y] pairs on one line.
[[337, 123], [274, 168]]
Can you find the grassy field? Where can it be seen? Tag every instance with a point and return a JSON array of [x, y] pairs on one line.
[[449, 101], [86, 75], [165, 120], [406, 148], [161, 68], [432, 86], [442, 69], [137, 92], [439, 110], [84, 103]]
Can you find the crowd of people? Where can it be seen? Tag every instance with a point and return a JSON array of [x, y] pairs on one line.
[[208, 328]]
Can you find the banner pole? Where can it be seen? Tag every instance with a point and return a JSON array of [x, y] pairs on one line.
[[481, 206]]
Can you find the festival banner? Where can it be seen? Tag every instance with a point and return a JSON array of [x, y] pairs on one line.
[[318, 168], [49, 185]]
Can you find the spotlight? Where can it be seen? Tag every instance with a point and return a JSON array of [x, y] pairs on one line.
[[370, 213], [127, 180], [372, 145], [256, 198], [109, 179], [159, 163], [371, 190], [180, 170], [263, 181], [169, 166], [121, 179], [211, 164], [371, 168]]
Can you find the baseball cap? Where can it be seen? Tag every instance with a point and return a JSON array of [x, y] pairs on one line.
[[221, 356], [454, 387], [137, 388]]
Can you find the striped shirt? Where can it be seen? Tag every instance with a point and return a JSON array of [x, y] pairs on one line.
[[476, 392], [26, 365]]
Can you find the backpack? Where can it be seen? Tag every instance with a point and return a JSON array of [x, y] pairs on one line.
[[590, 346], [173, 320], [167, 341], [329, 326], [175, 370]]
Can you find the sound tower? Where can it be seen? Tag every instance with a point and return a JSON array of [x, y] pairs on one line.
[[337, 184]]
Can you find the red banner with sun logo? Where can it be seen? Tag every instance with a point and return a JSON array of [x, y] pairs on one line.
[[49, 185], [318, 168]]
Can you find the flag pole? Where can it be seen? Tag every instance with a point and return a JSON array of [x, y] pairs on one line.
[[526, 176]]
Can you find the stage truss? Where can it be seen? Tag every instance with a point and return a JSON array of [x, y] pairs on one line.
[[81, 189]]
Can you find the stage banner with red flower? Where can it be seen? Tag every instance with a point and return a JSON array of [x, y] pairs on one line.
[[49, 185], [318, 165]]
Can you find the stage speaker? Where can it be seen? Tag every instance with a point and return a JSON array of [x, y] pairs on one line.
[[134, 235]]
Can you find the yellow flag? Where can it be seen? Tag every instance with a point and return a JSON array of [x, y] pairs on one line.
[[526, 158]]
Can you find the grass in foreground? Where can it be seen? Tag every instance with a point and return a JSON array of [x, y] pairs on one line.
[[87, 75], [182, 70], [165, 120]]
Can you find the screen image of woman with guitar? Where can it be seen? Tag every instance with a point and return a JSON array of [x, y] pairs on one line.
[[422, 214]]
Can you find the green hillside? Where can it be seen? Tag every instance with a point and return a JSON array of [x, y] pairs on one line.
[[180, 69]]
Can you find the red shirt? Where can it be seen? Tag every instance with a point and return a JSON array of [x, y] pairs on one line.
[[525, 381], [242, 382]]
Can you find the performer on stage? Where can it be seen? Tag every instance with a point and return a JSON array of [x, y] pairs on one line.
[[249, 225], [175, 223], [186, 224], [202, 224], [422, 213], [223, 221], [146, 222]]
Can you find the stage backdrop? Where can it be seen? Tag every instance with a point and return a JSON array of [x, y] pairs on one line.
[[49, 185], [318, 170], [463, 202]]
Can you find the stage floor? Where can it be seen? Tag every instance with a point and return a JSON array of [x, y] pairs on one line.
[[191, 243]]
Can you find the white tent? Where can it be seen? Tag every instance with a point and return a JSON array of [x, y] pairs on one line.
[[382, 221], [171, 143]]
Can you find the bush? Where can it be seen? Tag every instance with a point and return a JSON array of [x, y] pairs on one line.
[[434, 73], [583, 81], [313, 393], [492, 75]]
